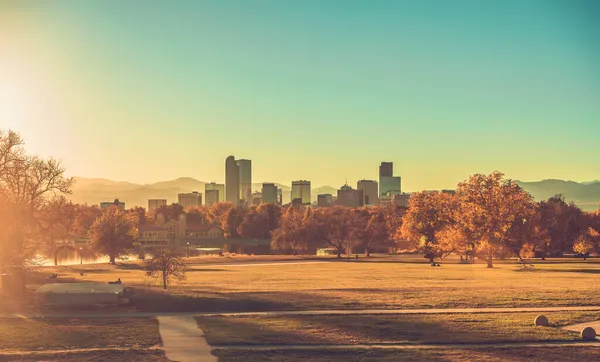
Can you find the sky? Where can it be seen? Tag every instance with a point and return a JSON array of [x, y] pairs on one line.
[[145, 91]]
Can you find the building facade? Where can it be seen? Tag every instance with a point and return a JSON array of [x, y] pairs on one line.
[[370, 189], [387, 181], [211, 197], [301, 191], [324, 200], [232, 181], [190, 200], [215, 187], [178, 232], [154, 204], [347, 196], [269, 193], [245, 169]]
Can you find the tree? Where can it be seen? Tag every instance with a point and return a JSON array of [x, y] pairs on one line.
[[26, 185], [289, 236], [140, 215], [218, 211], [377, 232], [170, 212], [586, 243], [428, 213], [57, 224], [232, 220], [260, 221], [490, 208], [166, 264], [85, 218], [198, 215], [335, 227], [563, 222], [114, 233], [451, 240], [527, 251]]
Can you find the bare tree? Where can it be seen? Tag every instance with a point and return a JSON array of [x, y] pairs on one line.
[[166, 264]]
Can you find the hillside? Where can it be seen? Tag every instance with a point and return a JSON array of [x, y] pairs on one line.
[[586, 195]]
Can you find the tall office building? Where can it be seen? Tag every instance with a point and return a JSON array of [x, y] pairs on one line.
[[324, 200], [232, 181], [215, 187], [301, 190], [211, 197], [347, 196], [189, 200], [154, 204], [269, 193], [388, 184], [245, 168], [370, 190]]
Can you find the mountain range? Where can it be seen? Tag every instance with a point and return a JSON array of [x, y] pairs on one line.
[[93, 191]]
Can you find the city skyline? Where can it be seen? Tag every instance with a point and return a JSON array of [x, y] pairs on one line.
[[312, 91]]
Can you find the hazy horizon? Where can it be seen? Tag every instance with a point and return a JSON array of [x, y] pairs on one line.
[[322, 91]]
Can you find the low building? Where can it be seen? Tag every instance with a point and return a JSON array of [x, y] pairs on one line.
[[324, 200], [117, 203], [178, 232]]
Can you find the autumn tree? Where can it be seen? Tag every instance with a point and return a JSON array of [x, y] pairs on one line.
[[335, 227], [198, 215], [427, 214], [231, 221], [140, 215], [85, 218], [289, 236], [586, 243], [218, 211], [490, 208], [169, 211], [260, 221], [166, 264], [57, 226], [451, 239], [527, 251], [377, 232], [563, 223], [27, 183], [114, 233]]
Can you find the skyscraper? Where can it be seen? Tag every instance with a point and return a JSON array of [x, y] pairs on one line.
[[232, 181], [370, 190], [215, 187], [301, 190], [245, 167], [269, 193], [388, 184], [189, 200]]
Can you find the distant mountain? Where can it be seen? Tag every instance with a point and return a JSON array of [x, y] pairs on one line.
[[585, 195], [93, 191]]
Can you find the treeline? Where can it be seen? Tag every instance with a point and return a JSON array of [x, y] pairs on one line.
[[489, 216]]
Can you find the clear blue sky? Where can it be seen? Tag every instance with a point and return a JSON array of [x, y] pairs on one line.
[[319, 90]]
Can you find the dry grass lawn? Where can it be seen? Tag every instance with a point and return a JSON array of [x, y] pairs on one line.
[[549, 353], [379, 283], [378, 329], [61, 334]]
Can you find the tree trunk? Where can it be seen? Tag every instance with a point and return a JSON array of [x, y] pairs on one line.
[[339, 255], [112, 259], [489, 260], [55, 257], [164, 275], [368, 252]]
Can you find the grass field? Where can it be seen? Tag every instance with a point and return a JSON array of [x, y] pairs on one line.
[[549, 353], [153, 355], [381, 329], [379, 283], [61, 334]]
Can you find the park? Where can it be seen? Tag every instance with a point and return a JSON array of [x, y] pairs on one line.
[[292, 308]]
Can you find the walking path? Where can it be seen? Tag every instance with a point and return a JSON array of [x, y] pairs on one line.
[[183, 340], [306, 312], [578, 327]]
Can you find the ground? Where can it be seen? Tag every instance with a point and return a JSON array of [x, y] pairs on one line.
[[254, 283]]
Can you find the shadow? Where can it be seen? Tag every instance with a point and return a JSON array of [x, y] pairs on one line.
[[195, 270], [585, 271]]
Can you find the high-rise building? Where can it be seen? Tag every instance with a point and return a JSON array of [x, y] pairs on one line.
[[347, 196], [269, 193], [387, 182], [211, 197], [370, 190], [279, 196], [386, 169], [154, 204], [324, 200], [217, 187], [245, 168], [189, 200], [117, 203], [301, 190], [232, 181]]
